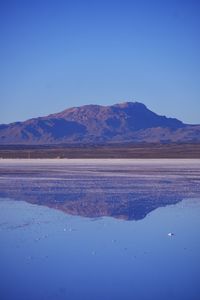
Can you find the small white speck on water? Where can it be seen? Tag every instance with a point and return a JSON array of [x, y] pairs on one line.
[[170, 234]]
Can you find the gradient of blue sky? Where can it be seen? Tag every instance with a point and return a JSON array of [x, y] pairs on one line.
[[56, 54]]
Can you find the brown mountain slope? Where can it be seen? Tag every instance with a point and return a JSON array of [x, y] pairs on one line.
[[125, 122]]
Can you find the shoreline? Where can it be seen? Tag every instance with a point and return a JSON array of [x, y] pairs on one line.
[[103, 161], [133, 151]]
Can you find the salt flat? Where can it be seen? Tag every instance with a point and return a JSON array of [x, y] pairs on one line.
[[99, 187], [125, 161], [61, 218]]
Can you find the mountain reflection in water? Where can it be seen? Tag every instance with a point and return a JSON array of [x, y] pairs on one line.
[[125, 189]]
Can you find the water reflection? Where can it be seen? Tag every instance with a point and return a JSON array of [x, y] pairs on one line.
[[125, 190]]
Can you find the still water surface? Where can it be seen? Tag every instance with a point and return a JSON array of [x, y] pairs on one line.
[[100, 241]]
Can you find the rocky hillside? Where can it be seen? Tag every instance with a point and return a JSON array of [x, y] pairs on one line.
[[124, 122]]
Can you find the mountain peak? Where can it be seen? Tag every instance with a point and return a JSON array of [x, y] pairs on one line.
[[127, 104]]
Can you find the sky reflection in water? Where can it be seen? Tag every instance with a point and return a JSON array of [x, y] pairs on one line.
[[50, 254]]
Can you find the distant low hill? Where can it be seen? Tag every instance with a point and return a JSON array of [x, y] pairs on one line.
[[125, 122]]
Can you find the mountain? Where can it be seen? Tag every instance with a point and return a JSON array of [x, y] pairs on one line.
[[124, 122]]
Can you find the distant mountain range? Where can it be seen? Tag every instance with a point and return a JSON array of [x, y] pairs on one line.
[[119, 123]]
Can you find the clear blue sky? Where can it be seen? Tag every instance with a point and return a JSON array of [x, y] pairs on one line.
[[57, 54]]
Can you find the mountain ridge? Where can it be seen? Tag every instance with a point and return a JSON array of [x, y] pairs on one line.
[[121, 122]]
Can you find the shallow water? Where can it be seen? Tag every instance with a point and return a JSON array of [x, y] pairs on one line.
[[77, 234]]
